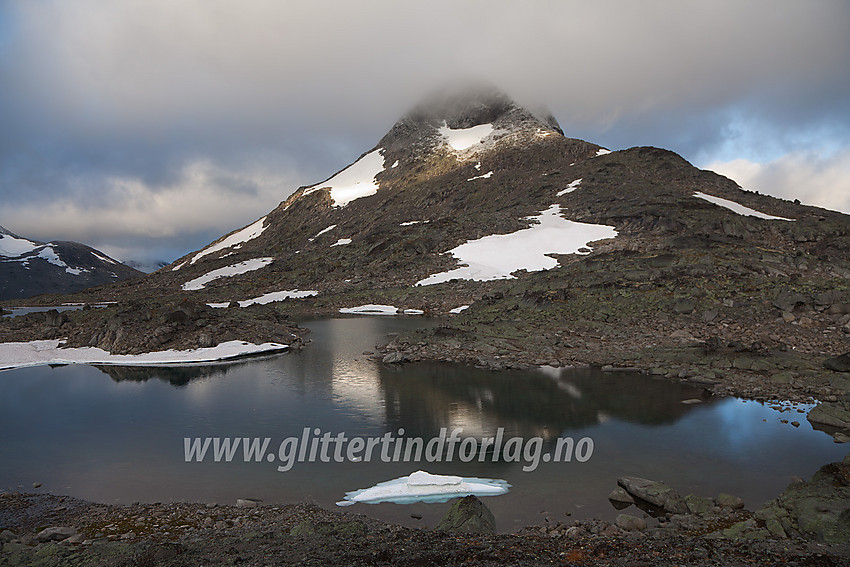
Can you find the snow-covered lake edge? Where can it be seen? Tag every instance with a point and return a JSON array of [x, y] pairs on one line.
[[49, 352]]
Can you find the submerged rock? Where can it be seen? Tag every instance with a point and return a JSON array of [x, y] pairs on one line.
[[468, 515]]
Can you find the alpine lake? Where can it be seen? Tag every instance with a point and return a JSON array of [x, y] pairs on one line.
[[122, 435]]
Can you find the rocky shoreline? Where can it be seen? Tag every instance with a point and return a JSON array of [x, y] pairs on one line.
[[806, 525]]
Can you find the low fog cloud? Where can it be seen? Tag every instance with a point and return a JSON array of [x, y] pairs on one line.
[[111, 109]]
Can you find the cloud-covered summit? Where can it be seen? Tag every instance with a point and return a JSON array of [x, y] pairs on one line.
[[154, 126]]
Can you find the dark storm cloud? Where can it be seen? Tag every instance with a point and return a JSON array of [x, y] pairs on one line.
[[124, 110]]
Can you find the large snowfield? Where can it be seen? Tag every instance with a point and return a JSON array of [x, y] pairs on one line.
[[235, 240], [355, 181], [465, 138], [737, 207], [39, 353], [227, 272], [497, 256]]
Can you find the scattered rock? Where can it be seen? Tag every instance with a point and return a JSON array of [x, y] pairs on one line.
[[630, 523], [684, 306], [698, 505], [393, 357], [729, 501], [468, 515], [56, 533]]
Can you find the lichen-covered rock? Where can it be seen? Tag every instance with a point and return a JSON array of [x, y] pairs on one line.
[[468, 515]]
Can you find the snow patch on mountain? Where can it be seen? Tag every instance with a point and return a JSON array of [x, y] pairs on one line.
[[226, 272], [235, 240], [12, 247], [497, 256], [570, 188], [465, 138], [49, 254], [341, 242], [323, 231], [737, 207], [487, 175], [355, 181], [602, 152], [270, 297]]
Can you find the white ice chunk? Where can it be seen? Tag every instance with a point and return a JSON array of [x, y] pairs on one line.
[[497, 256], [463, 138], [355, 181], [738, 208], [226, 272], [570, 188], [341, 242], [239, 237], [421, 486], [457, 310], [37, 353]]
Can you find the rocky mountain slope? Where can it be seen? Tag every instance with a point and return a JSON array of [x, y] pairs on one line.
[[28, 267], [565, 253]]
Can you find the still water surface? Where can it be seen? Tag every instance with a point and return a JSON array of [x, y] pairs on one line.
[[117, 434]]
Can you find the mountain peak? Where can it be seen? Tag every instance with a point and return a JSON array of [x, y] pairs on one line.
[[462, 107]]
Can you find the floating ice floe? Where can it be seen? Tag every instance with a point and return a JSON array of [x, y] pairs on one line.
[[497, 256], [570, 188], [355, 181], [737, 207], [270, 297], [235, 240], [464, 138], [373, 309], [227, 272], [38, 353], [425, 487]]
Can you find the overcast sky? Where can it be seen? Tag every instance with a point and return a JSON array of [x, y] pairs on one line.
[[149, 128]]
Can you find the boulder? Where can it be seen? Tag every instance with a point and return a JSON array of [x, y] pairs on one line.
[[838, 363], [56, 533], [630, 523], [729, 501], [468, 515], [620, 499], [656, 493], [832, 415], [698, 505]]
